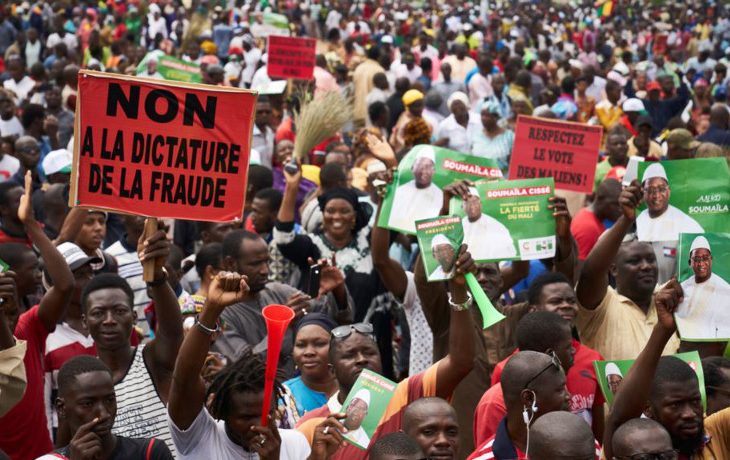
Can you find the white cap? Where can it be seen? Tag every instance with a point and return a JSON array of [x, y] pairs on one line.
[[473, 191], [621, 68], [388, 39], [654, 170], [612, 369], [425, 151], [154, 8], [700, 242], [74, 256], [376, 166], [467, 27], [57, 161], [576, 63], [438, 240], [633, 105], [363, 395]]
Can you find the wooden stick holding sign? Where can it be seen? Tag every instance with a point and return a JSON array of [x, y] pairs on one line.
[[148, 266]]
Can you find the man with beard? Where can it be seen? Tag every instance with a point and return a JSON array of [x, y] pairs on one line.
[[432, 423], [666, 389], [419, 198], [661, 221]]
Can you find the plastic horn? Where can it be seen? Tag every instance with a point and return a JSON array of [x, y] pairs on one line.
[[277, 320]]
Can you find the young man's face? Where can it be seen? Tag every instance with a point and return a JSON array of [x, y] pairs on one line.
[[679, 408], [244, 412], [559, 298], [90, 396], [436, 431], [109, 317]]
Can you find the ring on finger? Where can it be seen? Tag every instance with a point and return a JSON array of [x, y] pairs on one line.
[[326, 430], [262, 442]]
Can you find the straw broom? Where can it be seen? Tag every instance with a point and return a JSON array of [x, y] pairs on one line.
[[319, 119]]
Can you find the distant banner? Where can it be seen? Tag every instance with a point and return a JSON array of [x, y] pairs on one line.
[[172, 68], [416, 191], [610, 374], [683, 196], [264, 24], [565, 151], [508, 220], [440, 239], [161, 149], [704, 271], [291, 57]]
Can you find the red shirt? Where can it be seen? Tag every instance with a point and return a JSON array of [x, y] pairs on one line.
[[23, 431], [586, 229], [489, 412], [6, 238]]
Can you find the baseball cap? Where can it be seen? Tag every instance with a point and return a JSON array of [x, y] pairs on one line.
[[682, 138], [75, 257], [633, 105], [57, 161]]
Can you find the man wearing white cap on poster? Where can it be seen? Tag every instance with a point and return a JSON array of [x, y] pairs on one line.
[[445, 254], [57, 166], [705, 311], [661, 221], [356, 412], [613, 377], [419, 198], [486, 237]]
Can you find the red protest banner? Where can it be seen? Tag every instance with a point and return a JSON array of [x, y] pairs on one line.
[[291, 57], [161, 149], [565, 151]]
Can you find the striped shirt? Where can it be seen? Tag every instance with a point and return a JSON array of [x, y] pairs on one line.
[[130, 268], [140, 411]]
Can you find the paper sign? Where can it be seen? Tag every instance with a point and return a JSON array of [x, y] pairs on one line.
[[172, 68], [632, 170], [703, 271], [565, 151], [416, 190], [683, 196], [161, 149], [365, 405], [291, 57], [610, 374], [508, 220], [440, 239], [4, 266], [265, 24]]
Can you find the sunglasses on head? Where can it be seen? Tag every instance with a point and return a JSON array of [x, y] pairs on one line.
[[554, 363], [342, 332]]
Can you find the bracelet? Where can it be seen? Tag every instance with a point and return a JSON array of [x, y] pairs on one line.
[[461, 306], [206, 330], [159, 282]]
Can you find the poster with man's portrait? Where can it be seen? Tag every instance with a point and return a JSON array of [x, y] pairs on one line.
[[440, 239], [365, 405], [416, 192], [683, 196], [704, 273]]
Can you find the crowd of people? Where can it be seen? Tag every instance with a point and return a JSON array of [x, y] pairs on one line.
[[96, 363]]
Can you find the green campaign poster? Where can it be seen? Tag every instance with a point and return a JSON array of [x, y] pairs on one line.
[[508, 220], [172, 68], [610, 374], [271, 24], [703, 271], [416, 190], [440, 239], [683, 196], [365, 405], [3, 266]]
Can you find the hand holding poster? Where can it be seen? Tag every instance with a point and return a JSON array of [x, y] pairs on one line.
[[440, 239], [683, 196], [610, 374], [291, 57], [365, 405], [161, 149], [416, 190], [703, 271], [565, 151], [508, 220]]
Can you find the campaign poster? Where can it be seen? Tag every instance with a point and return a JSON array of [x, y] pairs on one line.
[[291, 57], [440, 239], [508, 220], [365, 405], [172, 68], [610, 374], [161, 149], [416, 192], [563, 150], [264, 24], [683, 196], [703, 271]]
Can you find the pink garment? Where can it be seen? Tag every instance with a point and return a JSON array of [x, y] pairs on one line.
[[324, 81]]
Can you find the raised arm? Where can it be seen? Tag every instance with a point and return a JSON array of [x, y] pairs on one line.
[[460, 360], [593, 281], [289, 200], [187, 392], [53, 305], [168, 336], [71, 225], [565, 254], [393, 276], [633, 394]]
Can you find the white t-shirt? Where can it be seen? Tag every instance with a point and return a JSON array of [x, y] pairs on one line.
[[8, 166], [207, 438], [20, 88], [666, 227], [11, 127]]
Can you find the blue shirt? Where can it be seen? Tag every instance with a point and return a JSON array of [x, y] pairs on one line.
[[306, 398]]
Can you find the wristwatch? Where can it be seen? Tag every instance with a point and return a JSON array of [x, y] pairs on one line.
[[461, 306], [159, 282]]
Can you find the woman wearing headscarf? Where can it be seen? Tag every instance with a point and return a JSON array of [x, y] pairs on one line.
[[414, 103], [458, 130], [344, 239], [316, 382], [493, 141]]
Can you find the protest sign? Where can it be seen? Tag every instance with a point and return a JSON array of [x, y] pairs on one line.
[[704, 271], [508, 220], [291, 57], [439, 239], [265, 24], [172, 68], [565, 151], [3, 266], [683, 196], [610, 374], [416, 190], [365, 405], [161, 149]]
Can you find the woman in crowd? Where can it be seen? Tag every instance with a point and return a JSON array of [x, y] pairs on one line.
[[493, 141]]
